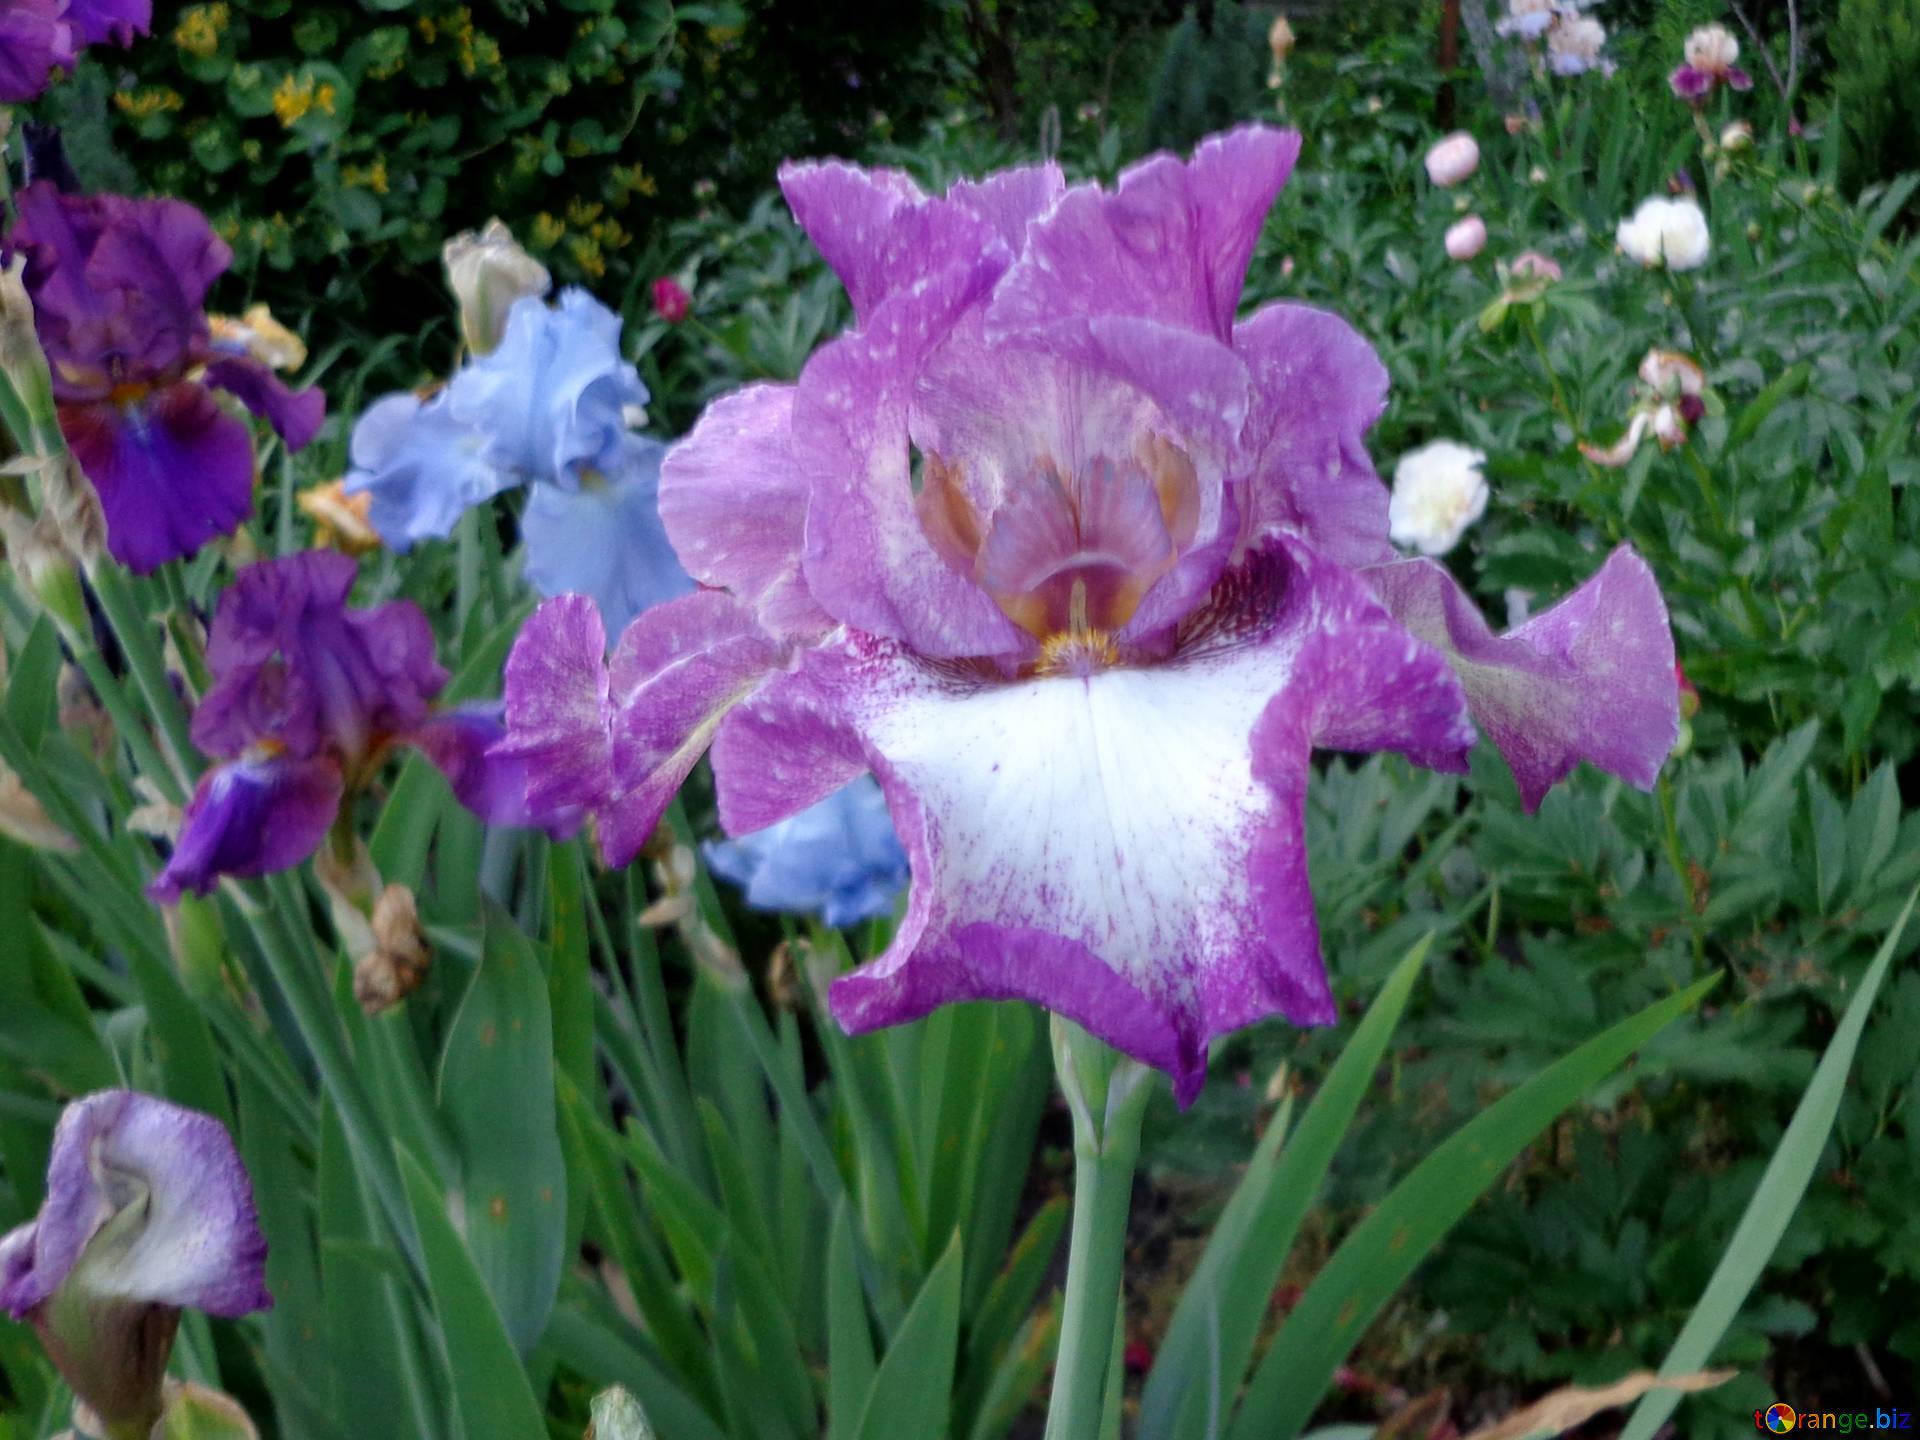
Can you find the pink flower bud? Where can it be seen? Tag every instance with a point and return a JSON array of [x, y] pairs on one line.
[[1453, 159], [670, 301], [1466, 238]]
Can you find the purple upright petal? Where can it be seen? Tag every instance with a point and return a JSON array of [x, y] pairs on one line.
[[296, 415], [183, 1231], [1123, 848], [1170, 243], [734, 502], [1011, 200], [173, 472], [849, 215], [1318, 387], [252, 816], [119, 21], [1591, 679]]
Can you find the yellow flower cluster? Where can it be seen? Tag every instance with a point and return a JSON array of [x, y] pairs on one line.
[[148, 100], [298, 96], [477, 50], [367, 177], [631, 180], [201, 27]]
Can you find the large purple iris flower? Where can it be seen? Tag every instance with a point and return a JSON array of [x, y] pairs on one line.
[[308, 698], [1082, 565], [39, 36], [148, 1212], [117, 288]]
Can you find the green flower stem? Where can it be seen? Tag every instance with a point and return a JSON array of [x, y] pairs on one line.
[[149, 668], [128, 725], [1107, 1094]]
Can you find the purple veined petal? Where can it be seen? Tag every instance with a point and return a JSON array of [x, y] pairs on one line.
[[296, 415], [734, 503], [1170, 243], [618, 737], [868, 559], [293, 664], [252, 816], [1318, 387], [558, 715], [848, 213], [148, 1203], [1126, 848], [674, 676], [173, 472], [1590, 679], [119, 21], [463, 742], [33, 41]]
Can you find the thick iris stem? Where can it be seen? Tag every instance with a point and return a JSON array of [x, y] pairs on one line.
[[1107, 1094]]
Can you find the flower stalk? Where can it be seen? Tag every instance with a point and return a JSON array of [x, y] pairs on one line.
[[1107, 1094]]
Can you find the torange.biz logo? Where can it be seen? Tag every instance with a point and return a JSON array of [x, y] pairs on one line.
[[1781, 1417]]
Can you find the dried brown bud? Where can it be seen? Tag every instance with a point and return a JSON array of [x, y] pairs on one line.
[[398, 963]]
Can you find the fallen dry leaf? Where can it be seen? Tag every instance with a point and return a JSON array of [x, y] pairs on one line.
[[1563, 1409]]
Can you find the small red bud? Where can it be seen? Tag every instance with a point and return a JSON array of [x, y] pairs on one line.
[[670, 301]]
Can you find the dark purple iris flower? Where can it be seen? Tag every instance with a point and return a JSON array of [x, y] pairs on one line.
[[40, 36], [309, 696], [117, 288]]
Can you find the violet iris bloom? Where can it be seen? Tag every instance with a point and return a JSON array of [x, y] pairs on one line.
[[1082, 566], [308, 698], [117, 288], [40, 36], [148, 1212]]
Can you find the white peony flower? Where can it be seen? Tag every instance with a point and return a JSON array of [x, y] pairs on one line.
[[1665, 232], [1438, 491], [1466, 238], [1453, 159]]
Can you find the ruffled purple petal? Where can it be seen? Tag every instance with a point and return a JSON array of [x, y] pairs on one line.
[[173, 472], [1591, 679], [296, 415], [463, 743], [1318, 387], [294, 665], [252, 816], [1011, 200], [1123, 848], [183, 1231], [1738, 78], [619, 737], [33, 41], [735, 506], [119, 21], [848, 213], [1170, 243]]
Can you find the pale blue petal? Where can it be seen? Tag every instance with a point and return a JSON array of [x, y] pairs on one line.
[[839, 859], [552, 396], [605, 539], [423, 467]]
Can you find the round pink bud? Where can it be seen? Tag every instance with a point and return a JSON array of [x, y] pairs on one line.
[[1453, 159], [670, 301], [1466, 238]]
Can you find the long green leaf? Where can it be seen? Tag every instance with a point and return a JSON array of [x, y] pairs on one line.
[[490, 1389], [1778, 1195], [914, 1388], [850, 1362], [1211, 1339], [1376, 1259]]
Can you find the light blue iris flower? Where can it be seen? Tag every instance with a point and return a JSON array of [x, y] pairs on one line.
[[839, 859], [546, 409]]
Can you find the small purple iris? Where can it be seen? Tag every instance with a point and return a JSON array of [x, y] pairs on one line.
[[118, 287], [308, 697]]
